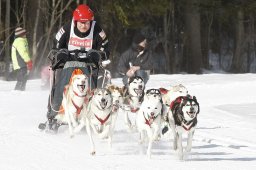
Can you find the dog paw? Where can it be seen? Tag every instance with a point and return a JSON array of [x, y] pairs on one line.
[[175, 147], [149, 155], [188, 149], [71, 136], [75, 124], [141, 141]]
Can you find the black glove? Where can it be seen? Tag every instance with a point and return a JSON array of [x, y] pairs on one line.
[[60, 58]]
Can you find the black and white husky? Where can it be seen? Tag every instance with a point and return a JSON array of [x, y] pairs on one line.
[[133, 99], [183, 119]]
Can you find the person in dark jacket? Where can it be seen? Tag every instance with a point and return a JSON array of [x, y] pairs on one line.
[[137, 60], [82, 34]]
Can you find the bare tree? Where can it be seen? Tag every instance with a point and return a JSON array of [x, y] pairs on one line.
[[34, 46], [7, 31], [54, 17]]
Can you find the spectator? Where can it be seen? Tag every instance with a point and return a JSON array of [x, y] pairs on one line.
[[21, 60], [137, 60]]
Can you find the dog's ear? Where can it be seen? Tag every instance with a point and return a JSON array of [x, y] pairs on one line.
[[73, 78], [110, 87], [163, 90], [194, 98], [92, 92]]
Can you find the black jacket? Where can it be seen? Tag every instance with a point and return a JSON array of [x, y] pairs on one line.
[[130, 56], [98, 42]]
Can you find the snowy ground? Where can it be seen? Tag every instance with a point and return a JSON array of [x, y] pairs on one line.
[[225, 137]]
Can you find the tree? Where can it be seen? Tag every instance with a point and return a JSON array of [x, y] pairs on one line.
[[193, 54]]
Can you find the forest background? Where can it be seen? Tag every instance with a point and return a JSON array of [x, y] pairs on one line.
[[187, 36]]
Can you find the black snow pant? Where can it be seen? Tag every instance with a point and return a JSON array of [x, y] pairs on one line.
[[22, 77]]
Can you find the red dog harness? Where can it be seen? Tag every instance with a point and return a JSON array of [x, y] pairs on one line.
[[102, 121]]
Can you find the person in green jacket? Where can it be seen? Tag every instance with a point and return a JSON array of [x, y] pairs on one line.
[[21, 59]]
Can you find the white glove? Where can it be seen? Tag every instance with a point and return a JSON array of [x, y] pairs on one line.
[[105, 63], [132, 70]]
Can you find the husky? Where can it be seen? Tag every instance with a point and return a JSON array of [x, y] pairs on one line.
[[148, 119], [74, 97], [117, 94], [98, 116], [133, 99], [168, 96], [156, 94], [183, 119]]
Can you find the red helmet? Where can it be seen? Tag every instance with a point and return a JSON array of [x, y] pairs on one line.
[[83, 13]]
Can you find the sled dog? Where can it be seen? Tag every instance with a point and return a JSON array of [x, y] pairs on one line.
[[183, 119], [98, 116], [74, 97], [117, 94], [148, 119], [133, 98], [170, 95]]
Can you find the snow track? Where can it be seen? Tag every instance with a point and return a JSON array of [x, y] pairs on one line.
[[225, 137]]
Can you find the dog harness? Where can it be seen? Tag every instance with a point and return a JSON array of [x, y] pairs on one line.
[[102, 121], [134, 109], [187, 126], [149, 121], [78, 109]]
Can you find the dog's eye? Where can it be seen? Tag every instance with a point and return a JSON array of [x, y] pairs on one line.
[[148, 107], [156, 108]]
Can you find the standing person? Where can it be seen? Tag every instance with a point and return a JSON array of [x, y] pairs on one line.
[[82, 33], [137, 60], [21, 60]]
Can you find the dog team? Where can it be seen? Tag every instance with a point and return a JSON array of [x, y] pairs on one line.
[[145, 111]]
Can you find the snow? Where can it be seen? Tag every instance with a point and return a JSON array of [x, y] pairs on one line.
[[225, 137]]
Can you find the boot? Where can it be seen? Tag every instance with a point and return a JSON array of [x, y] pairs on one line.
[[18, 86]]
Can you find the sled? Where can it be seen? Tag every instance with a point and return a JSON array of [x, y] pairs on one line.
[[77, 62]]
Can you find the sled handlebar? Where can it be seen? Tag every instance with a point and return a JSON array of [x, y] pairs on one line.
[[60, 56]]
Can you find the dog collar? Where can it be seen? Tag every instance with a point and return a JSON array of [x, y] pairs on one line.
[[79, 95], [134, 110]]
